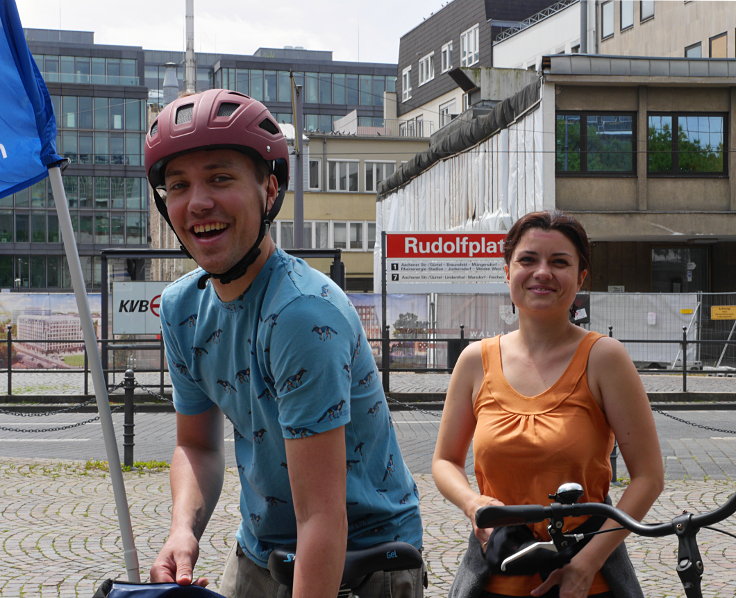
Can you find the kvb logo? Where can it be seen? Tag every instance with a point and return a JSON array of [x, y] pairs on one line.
[[140, 305]]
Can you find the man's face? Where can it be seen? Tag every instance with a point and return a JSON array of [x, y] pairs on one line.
[[215, 204]]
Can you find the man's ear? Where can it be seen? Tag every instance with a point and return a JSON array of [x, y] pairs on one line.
[[272, 191]]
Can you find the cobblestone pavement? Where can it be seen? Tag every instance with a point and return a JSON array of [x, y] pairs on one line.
[[59, 532]]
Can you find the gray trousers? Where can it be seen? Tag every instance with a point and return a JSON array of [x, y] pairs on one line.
[[242, 578]]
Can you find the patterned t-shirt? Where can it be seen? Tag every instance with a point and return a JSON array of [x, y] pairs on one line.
[[289, 359]]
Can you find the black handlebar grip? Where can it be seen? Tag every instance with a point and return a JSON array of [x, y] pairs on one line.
[[494, 516]]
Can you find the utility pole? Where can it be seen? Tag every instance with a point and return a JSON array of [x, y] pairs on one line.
[[297, 104], [190, 71]]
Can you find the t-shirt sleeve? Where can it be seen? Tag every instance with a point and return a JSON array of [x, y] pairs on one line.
[[188, 397], [311, 351]]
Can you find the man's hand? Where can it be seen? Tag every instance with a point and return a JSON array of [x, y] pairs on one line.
[[175, 562]]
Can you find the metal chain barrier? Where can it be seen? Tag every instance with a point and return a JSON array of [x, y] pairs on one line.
[[413, 407], [693, 424], [150, 393], [55, 412]]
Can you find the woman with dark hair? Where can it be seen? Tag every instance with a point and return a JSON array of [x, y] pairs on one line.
[[542, 406]]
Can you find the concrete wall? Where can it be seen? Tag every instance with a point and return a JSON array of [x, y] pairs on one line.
[[675, 26]]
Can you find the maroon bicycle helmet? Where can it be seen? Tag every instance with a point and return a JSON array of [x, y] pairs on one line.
[[218, 119]]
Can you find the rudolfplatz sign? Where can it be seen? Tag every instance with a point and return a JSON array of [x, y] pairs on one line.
[[445, 262]]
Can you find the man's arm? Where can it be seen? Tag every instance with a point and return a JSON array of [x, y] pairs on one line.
[[197, 469], [317, 473]]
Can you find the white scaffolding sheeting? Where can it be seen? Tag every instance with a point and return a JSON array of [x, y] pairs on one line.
[[484, 188]]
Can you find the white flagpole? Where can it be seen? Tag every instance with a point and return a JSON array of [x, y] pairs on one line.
[[98, 379]]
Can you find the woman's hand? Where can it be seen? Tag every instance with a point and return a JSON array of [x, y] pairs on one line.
[[573, 579], [483, 533]]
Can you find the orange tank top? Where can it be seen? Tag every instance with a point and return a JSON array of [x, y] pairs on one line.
[[525, 447]]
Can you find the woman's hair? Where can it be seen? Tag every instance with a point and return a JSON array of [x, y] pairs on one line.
[[552, 220]]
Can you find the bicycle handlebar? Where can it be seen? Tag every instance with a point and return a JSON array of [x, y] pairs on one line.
[[495, 516]]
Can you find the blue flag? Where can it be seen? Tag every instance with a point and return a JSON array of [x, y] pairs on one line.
[[27, 123]]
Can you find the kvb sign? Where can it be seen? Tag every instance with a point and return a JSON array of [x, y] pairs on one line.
[[136, 307], [446, 262]]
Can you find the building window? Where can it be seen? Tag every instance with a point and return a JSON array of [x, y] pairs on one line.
[[446, 57], [718, 46], [348, 235], [314, 180], [469, 46], [607, 19], [447, 112], [646, 9], [406, 84], [375, 172], [694, 51], [426, 68], [627, 14], [595, 143], [342, 175], [686, 144]]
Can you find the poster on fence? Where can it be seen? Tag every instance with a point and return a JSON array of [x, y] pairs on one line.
[[45, 329]]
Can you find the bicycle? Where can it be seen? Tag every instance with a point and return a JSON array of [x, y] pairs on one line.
[[359, 564], [685, 526]]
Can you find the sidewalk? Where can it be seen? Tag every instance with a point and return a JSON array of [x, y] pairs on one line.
[[60, 536]]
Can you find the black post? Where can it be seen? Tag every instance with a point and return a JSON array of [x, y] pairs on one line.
[[614, 460], [128, 423], [684, 359], [614, 452], [86, 369], [385, 358], [161, 362], [10, 359]]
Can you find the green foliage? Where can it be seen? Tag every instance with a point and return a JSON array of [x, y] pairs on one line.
[[692, 156]]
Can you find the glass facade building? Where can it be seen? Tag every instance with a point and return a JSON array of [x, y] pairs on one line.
[[101, 96]]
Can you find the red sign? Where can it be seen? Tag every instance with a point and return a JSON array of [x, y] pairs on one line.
[[444, 245]]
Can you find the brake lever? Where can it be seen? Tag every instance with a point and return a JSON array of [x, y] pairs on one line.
[[549, 545]]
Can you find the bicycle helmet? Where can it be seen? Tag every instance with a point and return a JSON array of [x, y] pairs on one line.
[[218, 119]]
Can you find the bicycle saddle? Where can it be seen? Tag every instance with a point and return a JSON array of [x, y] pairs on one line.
[[389, 556]]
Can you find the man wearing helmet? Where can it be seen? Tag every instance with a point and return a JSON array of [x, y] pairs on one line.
[[276, 347]]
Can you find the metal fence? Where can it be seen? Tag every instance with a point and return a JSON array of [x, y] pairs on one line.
[[685, 332]]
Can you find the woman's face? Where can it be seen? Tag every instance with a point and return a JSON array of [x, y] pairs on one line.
[[543, 273]]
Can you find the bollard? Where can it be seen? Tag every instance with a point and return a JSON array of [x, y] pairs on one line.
[[128, 423], [614, 459]]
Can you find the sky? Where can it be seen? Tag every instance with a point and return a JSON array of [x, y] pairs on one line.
[[354, 30]]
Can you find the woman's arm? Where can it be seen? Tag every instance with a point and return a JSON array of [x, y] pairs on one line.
[[455, 435]]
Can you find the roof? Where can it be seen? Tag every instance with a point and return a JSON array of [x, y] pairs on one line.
[[596, 65]]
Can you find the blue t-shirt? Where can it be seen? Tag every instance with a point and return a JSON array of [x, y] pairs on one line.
[[289, 359]]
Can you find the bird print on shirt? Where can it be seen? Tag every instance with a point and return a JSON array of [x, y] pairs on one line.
[[324, 332], [189, 321], [333, 412], [294, 381], [214, 337]]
